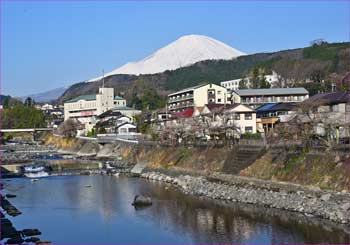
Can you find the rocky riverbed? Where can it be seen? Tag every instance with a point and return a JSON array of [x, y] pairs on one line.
[[311, 202], [9, 232]]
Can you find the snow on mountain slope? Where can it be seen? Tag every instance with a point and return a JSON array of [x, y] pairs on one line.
[[185, 51]]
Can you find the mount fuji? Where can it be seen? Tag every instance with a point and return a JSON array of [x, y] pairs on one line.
[[184, 51]]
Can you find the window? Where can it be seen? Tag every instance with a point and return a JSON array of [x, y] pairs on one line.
[[248, 116], [334, 108], [248, 129], [219, 100], [219, 92], [237, 116]]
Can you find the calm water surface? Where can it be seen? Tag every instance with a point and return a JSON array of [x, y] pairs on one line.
[[66, 211]]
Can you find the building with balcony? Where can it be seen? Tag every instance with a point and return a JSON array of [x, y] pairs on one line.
[[257, 97], [197, 96], [85, 108]]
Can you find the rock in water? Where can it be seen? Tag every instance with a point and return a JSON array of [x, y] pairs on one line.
[[32, 239], [14, 240], [142, 201], [31, 232]]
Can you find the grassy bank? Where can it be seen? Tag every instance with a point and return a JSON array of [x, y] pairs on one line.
[[324, 170], [330, 170]]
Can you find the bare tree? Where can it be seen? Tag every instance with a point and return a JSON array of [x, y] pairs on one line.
[[68, 128]]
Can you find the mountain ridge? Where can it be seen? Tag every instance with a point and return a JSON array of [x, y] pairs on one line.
[[298, 64], [184, 51]]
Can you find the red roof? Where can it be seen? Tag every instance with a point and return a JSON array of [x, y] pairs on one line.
[[186, 113]]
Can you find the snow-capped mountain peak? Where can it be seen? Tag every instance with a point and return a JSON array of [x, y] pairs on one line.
[[184, 51]]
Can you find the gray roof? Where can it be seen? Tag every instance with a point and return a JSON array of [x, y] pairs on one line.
[[188, 89], [271, 91], [82, 97], [118, 98], [122, 108]]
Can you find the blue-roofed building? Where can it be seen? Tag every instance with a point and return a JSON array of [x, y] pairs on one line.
[[272, 113]]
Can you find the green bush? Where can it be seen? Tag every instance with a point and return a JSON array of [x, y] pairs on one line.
[[254, 136], [91, 133]]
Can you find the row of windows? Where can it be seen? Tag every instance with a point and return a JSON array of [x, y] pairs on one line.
[[259, 99], [81, 105], [230, 84]]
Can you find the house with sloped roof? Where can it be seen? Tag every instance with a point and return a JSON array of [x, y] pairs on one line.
[[268, 115], [331, 112]]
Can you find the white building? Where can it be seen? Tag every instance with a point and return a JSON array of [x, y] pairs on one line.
[[126, 128], [234, 84], [85, 108], [231, 84], [240, 117], [197, 96]]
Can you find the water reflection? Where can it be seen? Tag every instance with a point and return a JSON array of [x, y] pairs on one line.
[[103, 213]]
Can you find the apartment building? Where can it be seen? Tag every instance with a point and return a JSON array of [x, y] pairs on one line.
[[197, 96], [84, 108], [257, 97]]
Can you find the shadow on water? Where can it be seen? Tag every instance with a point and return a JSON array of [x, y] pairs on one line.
[[103, 214]]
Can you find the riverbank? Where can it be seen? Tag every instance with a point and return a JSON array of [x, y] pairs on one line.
[[309, 201], [321, 189]]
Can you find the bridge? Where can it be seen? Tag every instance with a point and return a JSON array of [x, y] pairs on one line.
[[27, 130]]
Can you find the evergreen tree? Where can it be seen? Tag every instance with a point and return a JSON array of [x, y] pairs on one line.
[[263, 83]]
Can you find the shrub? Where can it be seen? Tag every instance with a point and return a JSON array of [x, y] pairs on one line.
[[254, 136]]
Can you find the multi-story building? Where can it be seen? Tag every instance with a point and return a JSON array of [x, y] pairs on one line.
[[85, 107], [197, 96], [257, 97], [234, 84], [231, 84]]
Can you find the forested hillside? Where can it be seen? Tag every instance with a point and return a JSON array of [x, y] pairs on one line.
[[322, 63]]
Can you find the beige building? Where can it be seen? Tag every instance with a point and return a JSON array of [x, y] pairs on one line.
[[197, 96], [85, 108], [237, 116]]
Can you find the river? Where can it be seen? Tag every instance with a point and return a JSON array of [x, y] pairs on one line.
[[97, 210]]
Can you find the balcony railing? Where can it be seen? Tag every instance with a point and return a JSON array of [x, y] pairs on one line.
[[181, 98], [180, 106]]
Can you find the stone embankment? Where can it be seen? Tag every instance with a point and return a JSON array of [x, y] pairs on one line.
[[24, 152], [312, 202]]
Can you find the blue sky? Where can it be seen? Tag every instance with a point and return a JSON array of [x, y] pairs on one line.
[[45, 45]]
